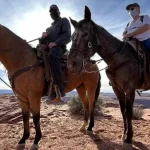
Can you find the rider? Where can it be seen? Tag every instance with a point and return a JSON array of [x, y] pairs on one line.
[[139, 27], [58, 36]]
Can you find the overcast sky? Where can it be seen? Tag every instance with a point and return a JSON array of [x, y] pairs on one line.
[[29, 18]]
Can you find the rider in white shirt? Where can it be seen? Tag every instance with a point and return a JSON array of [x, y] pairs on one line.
[[139, 27]]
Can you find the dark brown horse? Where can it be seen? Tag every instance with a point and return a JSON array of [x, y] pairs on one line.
[[27, 78], [122, 61]]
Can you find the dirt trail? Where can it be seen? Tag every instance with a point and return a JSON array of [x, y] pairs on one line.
[[61, 130]]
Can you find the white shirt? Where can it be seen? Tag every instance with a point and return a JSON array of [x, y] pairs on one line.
[[137, 24]]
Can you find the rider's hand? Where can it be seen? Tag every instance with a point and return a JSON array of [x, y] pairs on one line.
[[126, 36], [44, 34], [52, 44]]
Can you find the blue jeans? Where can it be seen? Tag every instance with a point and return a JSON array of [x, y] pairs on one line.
[[146, 44]]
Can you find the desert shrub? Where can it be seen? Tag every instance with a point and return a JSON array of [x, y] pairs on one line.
[[138, 112], [75, 105], [99, 105]]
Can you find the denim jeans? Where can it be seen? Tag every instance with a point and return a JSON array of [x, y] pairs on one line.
[[146, 44], [54, 56]]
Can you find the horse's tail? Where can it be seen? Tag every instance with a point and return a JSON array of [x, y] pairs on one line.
[[98, 88]]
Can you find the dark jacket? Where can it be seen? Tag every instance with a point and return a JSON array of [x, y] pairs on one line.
[[59, 32]]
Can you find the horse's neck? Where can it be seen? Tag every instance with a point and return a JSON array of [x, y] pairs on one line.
[[109, 48], [17, 55]]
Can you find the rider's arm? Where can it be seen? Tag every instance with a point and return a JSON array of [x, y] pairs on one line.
[[144, 28], [66, 33], [140, 30]]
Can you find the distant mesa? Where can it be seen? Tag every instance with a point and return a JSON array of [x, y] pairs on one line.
[[3, 91]]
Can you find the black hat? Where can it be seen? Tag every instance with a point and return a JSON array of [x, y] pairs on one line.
[[134, 4], [53, 7]]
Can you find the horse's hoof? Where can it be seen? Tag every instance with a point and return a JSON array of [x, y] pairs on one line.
[[34, 147], [82, 130], [20, 147], [127, 146], [88, 132]]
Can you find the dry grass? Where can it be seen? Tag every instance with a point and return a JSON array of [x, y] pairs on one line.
[[75, 105], [138, 113]]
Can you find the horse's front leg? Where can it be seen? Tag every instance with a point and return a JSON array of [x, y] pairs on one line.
[[130, 95], [121, 97], [93, 91], [92, 97], [25, 115], [83, 98], [35, 101]]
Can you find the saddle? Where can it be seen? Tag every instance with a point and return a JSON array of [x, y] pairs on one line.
[[42, 54], [143, 61]]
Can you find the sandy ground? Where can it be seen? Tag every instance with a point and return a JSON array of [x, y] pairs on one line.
[[61, 130]]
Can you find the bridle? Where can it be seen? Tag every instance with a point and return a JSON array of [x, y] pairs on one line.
[[84, 55], [84, 51]]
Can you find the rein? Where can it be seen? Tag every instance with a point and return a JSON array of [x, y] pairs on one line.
[[85, 50], [85, 70], [114, 59], [33, 40], [118, 55]]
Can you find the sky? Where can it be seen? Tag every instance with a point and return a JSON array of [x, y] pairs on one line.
[[29, 18]]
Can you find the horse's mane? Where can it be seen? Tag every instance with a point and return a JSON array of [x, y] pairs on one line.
[[99, 30], [15, 35], [103, 31]]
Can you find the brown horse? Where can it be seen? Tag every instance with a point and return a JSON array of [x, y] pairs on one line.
[[122, 61], [27, 79]]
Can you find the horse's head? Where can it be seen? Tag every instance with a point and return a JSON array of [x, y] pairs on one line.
[[84, 42]]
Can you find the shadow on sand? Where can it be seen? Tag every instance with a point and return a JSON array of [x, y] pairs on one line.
[[140, 146], [99, 116], [103, 143]]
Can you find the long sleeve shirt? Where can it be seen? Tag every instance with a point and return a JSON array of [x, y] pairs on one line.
[[59, 32]]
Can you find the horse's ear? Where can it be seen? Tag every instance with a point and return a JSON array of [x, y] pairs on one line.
[[73, 22], [87, 14]]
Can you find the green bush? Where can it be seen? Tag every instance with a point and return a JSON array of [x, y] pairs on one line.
[[138, 112], [75, 105]]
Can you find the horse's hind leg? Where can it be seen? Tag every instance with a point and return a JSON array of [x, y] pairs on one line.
[[35, 100], [25, 115], [121, 97], [82, 95]]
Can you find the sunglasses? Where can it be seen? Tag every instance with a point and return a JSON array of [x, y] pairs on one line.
[[132, 8]]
